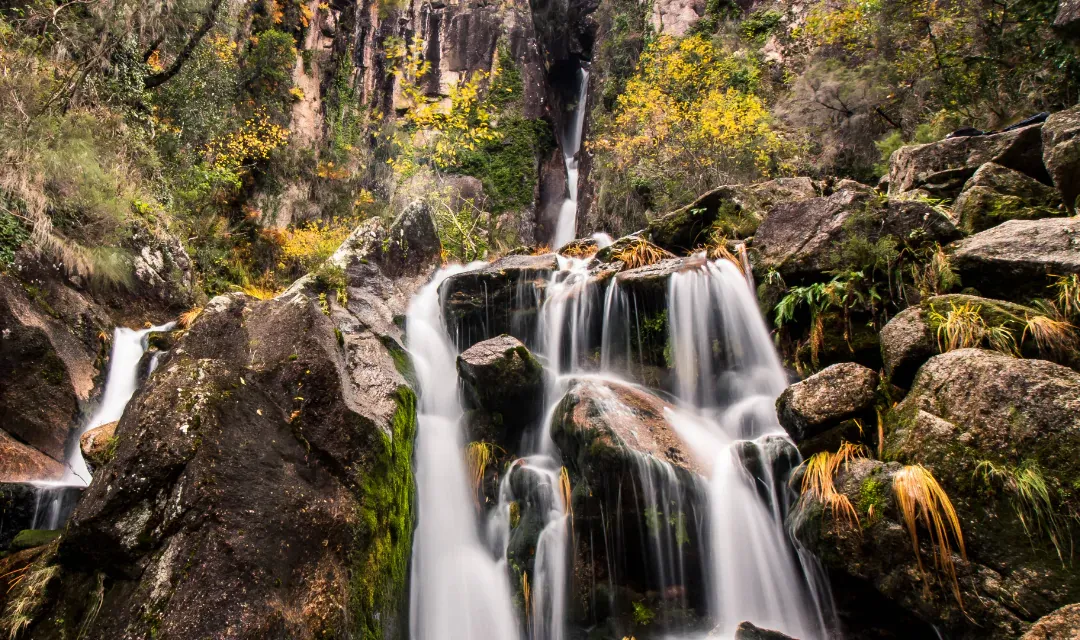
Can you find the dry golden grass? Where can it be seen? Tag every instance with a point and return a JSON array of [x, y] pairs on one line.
[[580, 249], [639, 252], [540, 250], [478, 455], [187, 317], [1051, 335], [260, 292], [526, 595], [922, 500], [817, 481], [24, 600], [960, 327]]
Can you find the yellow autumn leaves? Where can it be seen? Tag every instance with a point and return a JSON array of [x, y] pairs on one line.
[[691, 109]]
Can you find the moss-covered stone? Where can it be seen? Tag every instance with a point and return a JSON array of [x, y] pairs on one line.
[[30, 538], [996, 194]]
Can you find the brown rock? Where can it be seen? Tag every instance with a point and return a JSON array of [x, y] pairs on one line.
[[97, 444], [826, 399], [20, 463], [1063, 624]]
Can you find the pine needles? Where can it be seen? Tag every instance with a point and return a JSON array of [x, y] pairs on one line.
[[1031, 500], [922, 500], [639, 252]]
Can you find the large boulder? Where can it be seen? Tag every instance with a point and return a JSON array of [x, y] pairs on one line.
[[826, 400], [1061, 146], [1016, 260], [502, 378], [990, 428], [996, 194], [262, 482], [1059, 625], [912, 336], [750, 631], [20, 463], [604, 425], [803, 239], [941, 168], [734, 211]]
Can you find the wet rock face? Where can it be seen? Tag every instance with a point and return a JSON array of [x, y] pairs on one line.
[[1015, 260], [269, 456], [804, 239], [967, 409], [1061, 144], [941, 168], [1063, 623], [601, 423], [748, 631], [503, 378], [503, 297], [996, 194], [826, 399], [21, 463]]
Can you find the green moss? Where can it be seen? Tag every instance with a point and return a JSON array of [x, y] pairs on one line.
[[30, 538], [873, 500], [402, 362], [12, 236], [52, 368], [508, 167], [383, 533]]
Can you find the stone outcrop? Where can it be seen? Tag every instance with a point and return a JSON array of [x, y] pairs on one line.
[[907, 341], [1022, 419], [941, 168], [735, 211], [805, 238], [826, 400], [20, 463], [1017, 260], [502, 378], [1061, 146], [502, 297], [996, 194], [269, 456], [750, 631]]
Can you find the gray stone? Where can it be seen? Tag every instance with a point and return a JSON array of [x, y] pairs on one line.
[[943, 167], [1015, 260], [503, 378], [996, 194], [906, 343], [1061, 146], [1063, 624], [824, 400]]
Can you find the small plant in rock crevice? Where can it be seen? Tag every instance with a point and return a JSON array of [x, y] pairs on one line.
[[1032, 501], [639, 252], [923, 501]]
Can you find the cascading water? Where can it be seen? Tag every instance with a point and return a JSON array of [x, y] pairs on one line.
[[727, 379], [459, 587], [121, 381], [571, 144]]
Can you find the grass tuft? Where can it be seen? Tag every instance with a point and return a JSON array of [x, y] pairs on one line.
[[922, 500], [1032, 502], [1052, 335], [963, 327], [1068, 294], [187, 317], [817, 481], [25, 595], [478, 455], [639, 252]]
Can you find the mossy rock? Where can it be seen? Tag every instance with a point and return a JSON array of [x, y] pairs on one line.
[[30, 538], [996, 194]]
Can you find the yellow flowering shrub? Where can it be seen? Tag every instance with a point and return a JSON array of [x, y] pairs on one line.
[[311, 244], [253, 141], [689, 120]]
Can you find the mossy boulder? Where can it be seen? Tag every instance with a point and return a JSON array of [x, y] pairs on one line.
[[30, 538], [262, 483], [503, 378], [827, 400], [996, 194], [731, 211], [941, 168], [803, 240], [1018, 260], [1061, 140]]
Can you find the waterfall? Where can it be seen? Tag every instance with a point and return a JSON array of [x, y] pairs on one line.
[[55, 498], [459, 588], [725, 377], [727, 380], [566, 226]]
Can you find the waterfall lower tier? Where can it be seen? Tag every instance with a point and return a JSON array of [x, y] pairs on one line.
[[679, 505]]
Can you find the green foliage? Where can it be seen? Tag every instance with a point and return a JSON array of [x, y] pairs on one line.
[[266, 71], [507, 167], [12, 237], [1032, 501], [760, 24], [383, 534], [642, 615], [460, 225]]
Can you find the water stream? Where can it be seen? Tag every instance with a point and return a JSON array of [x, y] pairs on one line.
[[55, 498], [571, 143]]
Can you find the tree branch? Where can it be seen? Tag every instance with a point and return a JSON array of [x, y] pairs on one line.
[[209, 18]]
